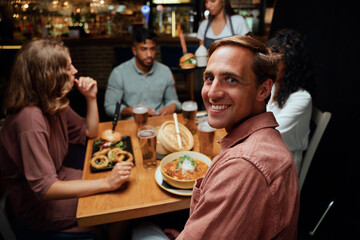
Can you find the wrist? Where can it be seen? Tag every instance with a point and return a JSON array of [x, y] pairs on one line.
[[91, 98], [105, 184]]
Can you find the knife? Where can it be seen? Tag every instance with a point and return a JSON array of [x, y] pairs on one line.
[[116, 115]]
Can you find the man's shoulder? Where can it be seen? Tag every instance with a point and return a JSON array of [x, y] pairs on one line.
[[161, 68], [124, 69], [265, 150], [124, 65]]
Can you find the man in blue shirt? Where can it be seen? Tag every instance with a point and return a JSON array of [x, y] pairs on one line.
[[142, 80]]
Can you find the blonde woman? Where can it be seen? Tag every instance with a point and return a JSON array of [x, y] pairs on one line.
[[36, 134]]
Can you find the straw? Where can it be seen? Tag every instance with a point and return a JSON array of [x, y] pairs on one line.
[[177, 130]]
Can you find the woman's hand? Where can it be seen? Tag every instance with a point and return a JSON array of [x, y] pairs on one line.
[[119, 175], [87, 86]]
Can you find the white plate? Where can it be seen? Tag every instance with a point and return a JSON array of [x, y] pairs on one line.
[[161, 182]]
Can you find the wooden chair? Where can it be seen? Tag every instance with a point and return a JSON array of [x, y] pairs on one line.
[[321, 120]]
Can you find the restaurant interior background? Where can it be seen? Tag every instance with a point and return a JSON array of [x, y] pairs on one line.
[[98, 32], [94, 29]]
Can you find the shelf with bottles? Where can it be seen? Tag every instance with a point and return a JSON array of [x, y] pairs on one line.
[[253, 12], [166, 21], [166, 18]]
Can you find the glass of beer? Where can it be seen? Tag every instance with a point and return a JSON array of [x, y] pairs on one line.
[[189, 109], [140, 113], [147, 140], [206, 138]]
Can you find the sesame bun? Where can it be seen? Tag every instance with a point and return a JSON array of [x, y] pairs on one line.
[[187, 65], [111, 136], [186, 57], [185, 61]]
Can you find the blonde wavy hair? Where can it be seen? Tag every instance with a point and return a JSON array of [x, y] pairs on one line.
[[39, 78]]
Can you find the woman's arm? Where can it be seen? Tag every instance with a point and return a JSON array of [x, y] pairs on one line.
[[88, 87], [81, 188]]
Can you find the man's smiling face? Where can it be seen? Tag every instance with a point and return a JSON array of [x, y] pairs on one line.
[[230, 92]]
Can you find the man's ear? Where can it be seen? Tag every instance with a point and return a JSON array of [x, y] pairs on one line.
[[133, 49], [264, 90]]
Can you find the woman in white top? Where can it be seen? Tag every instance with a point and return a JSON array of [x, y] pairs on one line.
[[222, 22], [290, 99]]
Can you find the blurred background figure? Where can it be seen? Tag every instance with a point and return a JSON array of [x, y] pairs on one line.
[[142, 80], [290, 99], [222, 22]]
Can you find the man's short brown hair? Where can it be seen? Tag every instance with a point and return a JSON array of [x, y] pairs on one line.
[[264, 65]]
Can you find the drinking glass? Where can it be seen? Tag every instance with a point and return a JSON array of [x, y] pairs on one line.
[[147, 140], [140, 114], [189, 109], [206, 138]]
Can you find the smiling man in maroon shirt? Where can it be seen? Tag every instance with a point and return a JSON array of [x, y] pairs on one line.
[[251, 188]]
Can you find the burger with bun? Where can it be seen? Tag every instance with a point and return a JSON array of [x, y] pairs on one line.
[[187, 61], [111, 136]]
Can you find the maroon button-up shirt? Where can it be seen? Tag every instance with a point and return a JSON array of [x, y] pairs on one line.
[[251, 189]]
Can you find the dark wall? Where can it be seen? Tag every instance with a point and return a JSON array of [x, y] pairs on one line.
[[331, 29]]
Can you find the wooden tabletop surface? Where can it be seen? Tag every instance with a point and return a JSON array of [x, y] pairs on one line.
[[140, 196]]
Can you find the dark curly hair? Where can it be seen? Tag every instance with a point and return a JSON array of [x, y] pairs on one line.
[[141, 34], [298, 68]]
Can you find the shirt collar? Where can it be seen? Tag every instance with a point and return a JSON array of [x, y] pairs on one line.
[[141, 72], [246, 128]]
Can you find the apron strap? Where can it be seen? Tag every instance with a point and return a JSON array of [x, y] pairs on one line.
[[231, 26], [207, 26]]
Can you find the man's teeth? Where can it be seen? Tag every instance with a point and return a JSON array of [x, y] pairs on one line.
[[219, 107]]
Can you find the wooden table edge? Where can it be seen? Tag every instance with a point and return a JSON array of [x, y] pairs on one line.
[[127, 214]]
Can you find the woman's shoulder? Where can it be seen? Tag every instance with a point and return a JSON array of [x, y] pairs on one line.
[[300, 98], [29, 113], [301, 93], [237, 17], [240, 25], [28, 118], [204, 23]]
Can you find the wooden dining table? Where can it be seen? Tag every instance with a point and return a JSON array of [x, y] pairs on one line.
[[140, 196]]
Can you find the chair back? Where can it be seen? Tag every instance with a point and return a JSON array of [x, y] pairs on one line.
[[321, 120], [11, 230], [6, 231]]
